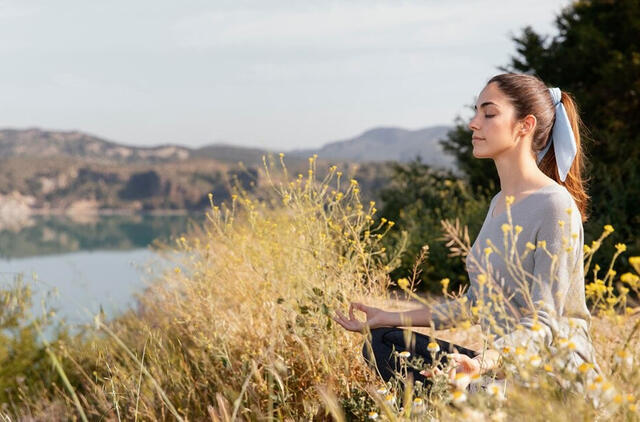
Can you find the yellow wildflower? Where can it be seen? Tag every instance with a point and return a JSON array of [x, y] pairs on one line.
[[445, 283], [608, 228], [506, 227], [621, 247], [403, 283], [510, 199], [482, 278], [629, 278]]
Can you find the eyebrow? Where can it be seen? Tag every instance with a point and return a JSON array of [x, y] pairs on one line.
[[486, 103]]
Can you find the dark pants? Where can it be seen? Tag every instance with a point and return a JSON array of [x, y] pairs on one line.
[[385, 340]]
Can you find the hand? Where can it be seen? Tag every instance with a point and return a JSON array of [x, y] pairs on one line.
[[462, 364], [373, 317]]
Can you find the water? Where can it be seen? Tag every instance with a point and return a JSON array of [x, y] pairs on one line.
[[79, 267]]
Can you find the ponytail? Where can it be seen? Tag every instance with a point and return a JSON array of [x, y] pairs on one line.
[[575, 181]]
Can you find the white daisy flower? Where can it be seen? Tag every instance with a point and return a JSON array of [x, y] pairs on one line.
[[496, 390], [624, 358], [535, 360], [459, 397], [476, 378], [433, 347], [373, 415], [461, 380], [418, 405], [404, 354], [390, 399]]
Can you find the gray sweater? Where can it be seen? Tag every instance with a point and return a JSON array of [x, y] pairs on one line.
[[554, 306]]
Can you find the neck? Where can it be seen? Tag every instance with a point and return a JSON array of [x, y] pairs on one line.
[[518, 172]]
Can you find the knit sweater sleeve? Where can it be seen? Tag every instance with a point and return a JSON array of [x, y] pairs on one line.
[[445, 314]]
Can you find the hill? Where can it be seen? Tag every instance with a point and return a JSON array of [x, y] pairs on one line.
[[388, 144]]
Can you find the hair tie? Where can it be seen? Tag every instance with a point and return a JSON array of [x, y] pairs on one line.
[[564, 142]]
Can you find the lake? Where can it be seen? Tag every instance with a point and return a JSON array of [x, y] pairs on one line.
[[80, 266]]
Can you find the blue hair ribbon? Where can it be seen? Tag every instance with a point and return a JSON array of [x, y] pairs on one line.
[[562, 137]]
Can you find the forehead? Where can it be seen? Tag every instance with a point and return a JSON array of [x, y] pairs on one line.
[[491, 94]]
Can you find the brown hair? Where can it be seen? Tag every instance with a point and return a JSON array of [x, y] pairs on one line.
[[529, 95]]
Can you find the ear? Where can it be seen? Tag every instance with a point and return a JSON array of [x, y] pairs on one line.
[[528, 124]]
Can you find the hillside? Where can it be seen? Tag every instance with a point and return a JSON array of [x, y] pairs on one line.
[[72, 172], [388, 144]]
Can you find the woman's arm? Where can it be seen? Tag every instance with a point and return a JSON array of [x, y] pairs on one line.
[[376, 317]]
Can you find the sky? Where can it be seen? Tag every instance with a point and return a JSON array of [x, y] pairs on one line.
[[273, 74]]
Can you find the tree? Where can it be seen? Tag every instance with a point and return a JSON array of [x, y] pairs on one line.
[[596, 57]]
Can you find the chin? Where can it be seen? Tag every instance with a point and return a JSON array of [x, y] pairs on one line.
[[477, 153]]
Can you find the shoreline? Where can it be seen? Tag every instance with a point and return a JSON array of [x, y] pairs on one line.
[[111, 211]]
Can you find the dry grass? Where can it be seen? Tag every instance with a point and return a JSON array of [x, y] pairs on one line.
[[241, 329]]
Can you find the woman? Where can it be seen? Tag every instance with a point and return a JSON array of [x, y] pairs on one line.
[[532, 134]]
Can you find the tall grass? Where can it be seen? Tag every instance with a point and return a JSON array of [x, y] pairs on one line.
[[241, 328]]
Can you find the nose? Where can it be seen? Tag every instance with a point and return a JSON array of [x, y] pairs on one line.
[[473, 124]]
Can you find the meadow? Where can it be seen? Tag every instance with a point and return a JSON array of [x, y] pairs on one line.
[[242, 329]]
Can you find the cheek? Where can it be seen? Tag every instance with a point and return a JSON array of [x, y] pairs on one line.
[[498, 132], [497, 138]]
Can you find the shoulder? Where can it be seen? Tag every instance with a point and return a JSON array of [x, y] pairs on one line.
[[555, 200], [556, 208]]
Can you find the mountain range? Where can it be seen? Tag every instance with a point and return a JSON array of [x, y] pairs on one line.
[[375, 145], [388, 144]]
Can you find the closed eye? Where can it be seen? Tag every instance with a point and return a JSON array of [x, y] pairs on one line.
[[489, 115]]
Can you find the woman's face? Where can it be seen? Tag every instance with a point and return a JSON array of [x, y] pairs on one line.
[[493, 123]]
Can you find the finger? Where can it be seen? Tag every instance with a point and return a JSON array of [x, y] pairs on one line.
[[351, 312], [341, 320], [360, 307], [346, 325]]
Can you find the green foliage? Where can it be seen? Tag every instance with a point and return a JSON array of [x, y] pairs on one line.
[[25, 367], [418, 198]]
